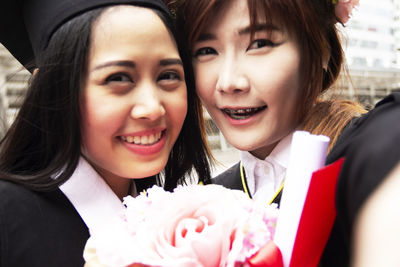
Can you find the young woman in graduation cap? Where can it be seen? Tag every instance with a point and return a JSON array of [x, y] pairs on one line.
[[111, 100]]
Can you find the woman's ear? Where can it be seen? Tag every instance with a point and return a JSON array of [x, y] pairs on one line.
[[35, 71]]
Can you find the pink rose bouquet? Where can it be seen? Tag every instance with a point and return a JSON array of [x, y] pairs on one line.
[[193, 226]]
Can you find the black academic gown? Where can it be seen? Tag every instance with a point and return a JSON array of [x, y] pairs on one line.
[[39, 229], [371, 148], [232, 179]]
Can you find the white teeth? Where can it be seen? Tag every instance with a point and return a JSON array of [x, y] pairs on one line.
[[136, 139], [142, 140], [151, 139]]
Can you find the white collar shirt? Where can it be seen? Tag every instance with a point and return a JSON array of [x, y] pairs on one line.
[[93, 199], [265, 177]]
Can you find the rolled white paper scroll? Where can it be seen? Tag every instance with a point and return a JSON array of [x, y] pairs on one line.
[[307, 154]]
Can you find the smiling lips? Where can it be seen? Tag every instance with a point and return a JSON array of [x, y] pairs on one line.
[[243, 113], [146, 140], [145, 143]]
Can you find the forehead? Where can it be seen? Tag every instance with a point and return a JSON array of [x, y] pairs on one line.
[[132, 19], [130, 31], [236, 14], [232, 13]]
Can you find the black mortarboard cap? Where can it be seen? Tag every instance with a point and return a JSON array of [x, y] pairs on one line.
[[27, 25]]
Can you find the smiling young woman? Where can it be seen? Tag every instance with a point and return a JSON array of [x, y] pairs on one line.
[[262, 76], [262, 70], [110, 111], [250, 88], [134, 97]]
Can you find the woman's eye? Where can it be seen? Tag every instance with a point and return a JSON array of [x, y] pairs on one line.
[[119, 77], [204, 51], [169, 76], [260, 43]]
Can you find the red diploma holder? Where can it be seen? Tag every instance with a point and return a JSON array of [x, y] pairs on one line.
[[317, 217], [315, 225]]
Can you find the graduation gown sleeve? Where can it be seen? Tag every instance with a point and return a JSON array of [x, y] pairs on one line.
[[39, 229], [370, 146]]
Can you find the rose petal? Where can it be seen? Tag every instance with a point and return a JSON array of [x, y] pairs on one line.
[[269, 255]]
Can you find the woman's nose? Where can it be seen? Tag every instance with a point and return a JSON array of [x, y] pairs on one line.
[[231, 79], [147, 104]]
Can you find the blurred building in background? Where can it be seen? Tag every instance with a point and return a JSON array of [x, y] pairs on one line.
[[396, 28], [13, 82], [371, 41], [370, 34]]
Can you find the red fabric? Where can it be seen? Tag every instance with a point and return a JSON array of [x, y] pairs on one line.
[[317, 218], [268, 256]]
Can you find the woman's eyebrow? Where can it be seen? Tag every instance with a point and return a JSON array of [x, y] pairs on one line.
[[243, 31], [257, 28], [171, 61], [131, 64], [206, 37], [123, 63]]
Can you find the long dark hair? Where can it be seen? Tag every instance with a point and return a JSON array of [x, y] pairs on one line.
[[42, 147], [313, 24], [191, 149]]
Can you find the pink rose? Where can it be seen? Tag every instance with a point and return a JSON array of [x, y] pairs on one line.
[[344, 8], [193, 226]]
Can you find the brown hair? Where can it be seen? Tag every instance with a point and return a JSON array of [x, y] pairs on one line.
[[313, 24]]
